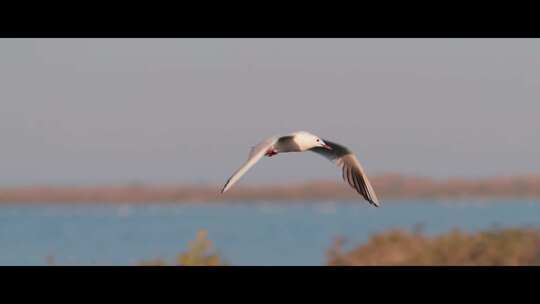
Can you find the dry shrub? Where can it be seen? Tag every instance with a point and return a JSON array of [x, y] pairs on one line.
[[401, 247]]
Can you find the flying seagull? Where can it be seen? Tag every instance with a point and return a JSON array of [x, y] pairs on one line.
[[303, 141]]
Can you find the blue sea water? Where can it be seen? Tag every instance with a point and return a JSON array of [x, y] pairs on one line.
[[243, 233]]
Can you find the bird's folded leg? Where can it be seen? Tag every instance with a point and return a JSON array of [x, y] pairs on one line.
[[271, 152]]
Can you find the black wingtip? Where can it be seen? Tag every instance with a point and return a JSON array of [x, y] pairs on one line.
[[374, 204]]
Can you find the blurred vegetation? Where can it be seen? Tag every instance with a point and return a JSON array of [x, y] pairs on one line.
[[201, 253], [493, 247], [402, 247]]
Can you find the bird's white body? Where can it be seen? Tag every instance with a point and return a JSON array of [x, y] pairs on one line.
[[302, 141], [306, 141]]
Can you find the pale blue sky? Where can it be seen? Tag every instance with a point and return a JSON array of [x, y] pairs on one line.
[[94, 111]]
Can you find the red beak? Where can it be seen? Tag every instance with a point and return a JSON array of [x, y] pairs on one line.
[[327, 147]]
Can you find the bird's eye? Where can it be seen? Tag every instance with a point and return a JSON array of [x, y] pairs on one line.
[[317, 140]]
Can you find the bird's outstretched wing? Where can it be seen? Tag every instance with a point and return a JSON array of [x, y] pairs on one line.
[[352, 170], [255, 155]]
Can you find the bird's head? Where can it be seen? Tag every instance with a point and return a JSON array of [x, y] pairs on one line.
[[308, 141]]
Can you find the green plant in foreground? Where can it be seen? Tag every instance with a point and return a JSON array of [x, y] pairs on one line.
[[201, 253]]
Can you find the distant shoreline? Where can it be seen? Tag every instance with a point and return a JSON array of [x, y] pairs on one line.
[[388, 187]]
